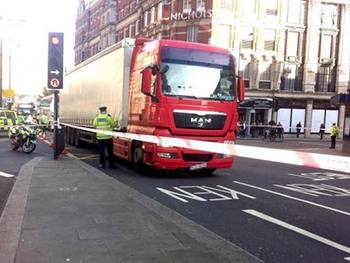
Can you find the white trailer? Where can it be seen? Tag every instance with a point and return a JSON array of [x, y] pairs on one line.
[[102, 80]]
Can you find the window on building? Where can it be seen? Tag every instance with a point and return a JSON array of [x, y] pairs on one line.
[[288, 78], [292, 43], [326, 46], [248, 9], [270, 36], [192, 33], [131, 33], [226, 4], [329, 15], [244, 66], [187, 6], [145, 19], [224, 36], [125, 32], [295, 11], [200, 5], [153, 11], [247, 38], [265, 75], [325, 80], [271, 7], [160, 11], [137, 27]]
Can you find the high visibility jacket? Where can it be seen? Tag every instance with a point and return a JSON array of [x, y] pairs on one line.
[[334, 131], [105, 122], [44, 119]]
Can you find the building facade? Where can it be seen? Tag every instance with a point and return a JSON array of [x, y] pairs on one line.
[[293, 54]]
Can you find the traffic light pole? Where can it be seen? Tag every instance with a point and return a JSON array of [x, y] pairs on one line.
[[55, 130], [55, 82]]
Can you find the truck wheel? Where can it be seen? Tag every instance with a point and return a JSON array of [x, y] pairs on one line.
[[72, 137], [137, 157], [77, 142]]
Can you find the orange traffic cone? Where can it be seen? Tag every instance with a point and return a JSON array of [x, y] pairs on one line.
[[44, 137], [52, 144]]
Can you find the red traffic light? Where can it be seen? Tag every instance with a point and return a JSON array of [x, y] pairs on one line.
[[55, 40]]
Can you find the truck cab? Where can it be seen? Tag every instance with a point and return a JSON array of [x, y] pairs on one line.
[[188, 91]]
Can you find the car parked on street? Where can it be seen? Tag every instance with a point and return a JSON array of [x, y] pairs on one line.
[[8, 118]]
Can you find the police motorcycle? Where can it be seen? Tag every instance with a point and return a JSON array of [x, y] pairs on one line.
[[24, 136]]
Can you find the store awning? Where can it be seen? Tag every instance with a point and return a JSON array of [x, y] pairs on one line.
[[341, 99], [255, 104]]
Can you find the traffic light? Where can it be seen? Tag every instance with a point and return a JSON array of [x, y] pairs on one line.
[[55, 61], [277, 105]]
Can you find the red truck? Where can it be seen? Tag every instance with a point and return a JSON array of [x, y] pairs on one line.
[[167, 88]]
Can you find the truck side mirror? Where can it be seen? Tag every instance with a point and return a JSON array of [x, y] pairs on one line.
[[241, 89], [146, 81]]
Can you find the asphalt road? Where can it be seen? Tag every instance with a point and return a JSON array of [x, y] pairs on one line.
[[278, 212]]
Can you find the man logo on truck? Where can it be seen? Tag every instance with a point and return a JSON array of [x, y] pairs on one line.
[[201, 121]]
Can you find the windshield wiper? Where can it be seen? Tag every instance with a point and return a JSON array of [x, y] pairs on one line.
[[186, 96]]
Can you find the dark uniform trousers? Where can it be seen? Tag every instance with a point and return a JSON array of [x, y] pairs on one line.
[[106, 144]]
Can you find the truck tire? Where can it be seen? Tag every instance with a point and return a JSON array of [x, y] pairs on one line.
[[137, 157], [77, 142]]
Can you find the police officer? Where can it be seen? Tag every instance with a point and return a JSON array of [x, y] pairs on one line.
[[334, 131], [44, 123], [105, 122]]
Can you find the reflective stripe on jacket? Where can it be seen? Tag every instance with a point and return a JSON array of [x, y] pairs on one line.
[[104, 122]]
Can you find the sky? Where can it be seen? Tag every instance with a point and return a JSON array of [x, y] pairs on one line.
[[24, 29]]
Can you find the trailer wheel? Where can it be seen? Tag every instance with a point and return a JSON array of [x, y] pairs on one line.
[[77, 142], [137, 157]]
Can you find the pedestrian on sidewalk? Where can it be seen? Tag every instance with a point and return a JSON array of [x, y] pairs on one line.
[[244, 127], [334, 131], [322, 130], [298, 129], [105, 122]]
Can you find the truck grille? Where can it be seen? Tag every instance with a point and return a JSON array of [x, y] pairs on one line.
[[197, 157], [199, 120]]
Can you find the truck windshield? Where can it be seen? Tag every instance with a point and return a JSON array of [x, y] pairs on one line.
[[197, 81]]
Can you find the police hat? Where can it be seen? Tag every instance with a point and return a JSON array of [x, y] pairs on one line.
[[103, 108]]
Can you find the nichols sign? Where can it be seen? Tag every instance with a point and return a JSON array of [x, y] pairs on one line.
[[191, 15], [256, 103]]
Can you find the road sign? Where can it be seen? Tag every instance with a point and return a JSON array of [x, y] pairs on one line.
[[8, 93], [55, 61]]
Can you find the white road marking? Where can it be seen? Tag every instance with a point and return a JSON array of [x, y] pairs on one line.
[[294, 198], [6, 175], [299, 230]]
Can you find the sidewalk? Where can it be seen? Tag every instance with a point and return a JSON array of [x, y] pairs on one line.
[[67, 211], [290, 142]]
